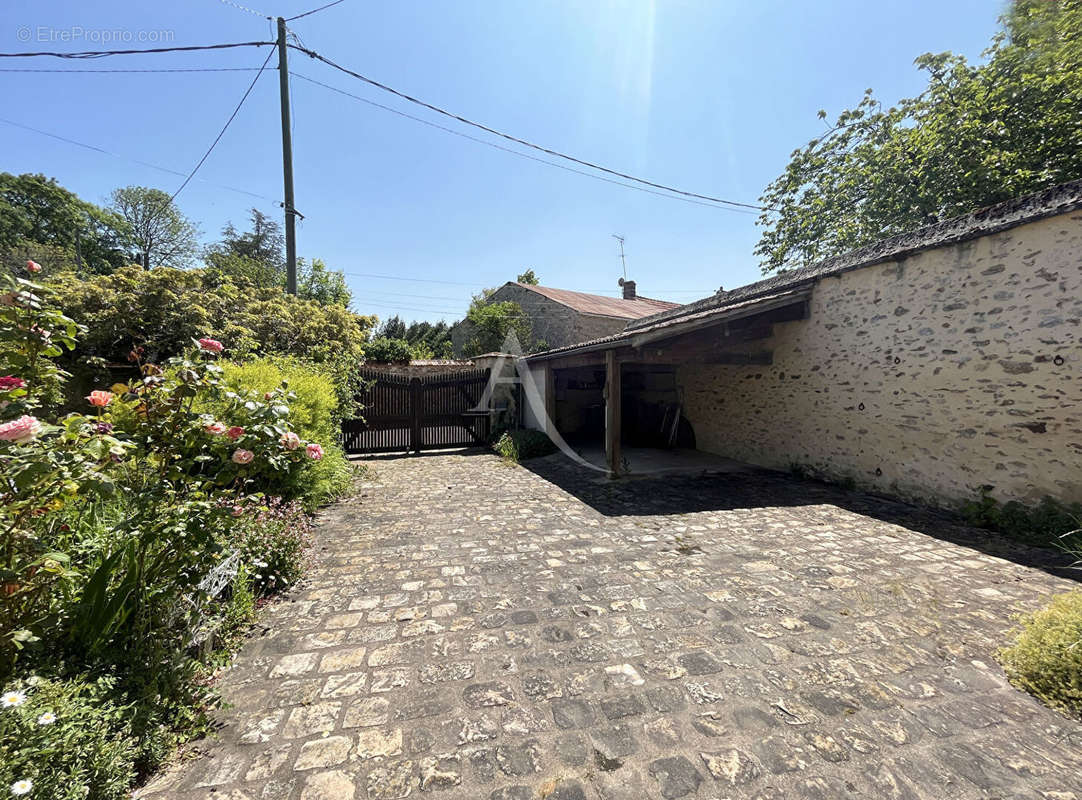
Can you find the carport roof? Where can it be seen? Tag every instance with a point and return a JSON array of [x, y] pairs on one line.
[[1060, 199]]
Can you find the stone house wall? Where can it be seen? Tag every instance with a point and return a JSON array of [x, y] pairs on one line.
[[926, 377], [550, 322]]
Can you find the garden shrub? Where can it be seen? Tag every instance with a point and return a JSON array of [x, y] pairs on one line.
[[69, 739], [524, 444], [163, 309], [1049, 522], [1046, 658], [313, 414], [397, 351], [273, 538]]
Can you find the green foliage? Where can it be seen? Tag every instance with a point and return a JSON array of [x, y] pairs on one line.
[[240, 270], [163, 236], [264, 244], [492, 322], [506, 448], [523, 444], [162, 310], [977, 135], [71, 739], [426, 339], [1047, 523], [528, 277], [1046, 657], [313, 413], [395, 351], [324, 286], [110, 522], [37, 211], [273, 537]]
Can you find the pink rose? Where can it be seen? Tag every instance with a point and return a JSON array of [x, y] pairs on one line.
[[100, 398], [20, 430], [315, 452], [215, 428], [291, 441], [211, 345], [235, 432], [33, 266], [9, 382], [242, 456]]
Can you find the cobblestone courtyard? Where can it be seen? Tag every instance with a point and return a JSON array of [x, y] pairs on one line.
[[473, 630]]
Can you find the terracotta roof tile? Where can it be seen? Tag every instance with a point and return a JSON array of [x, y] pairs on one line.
[[599, 304]]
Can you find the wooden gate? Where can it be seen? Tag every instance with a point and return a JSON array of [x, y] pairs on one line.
[[421, 413]]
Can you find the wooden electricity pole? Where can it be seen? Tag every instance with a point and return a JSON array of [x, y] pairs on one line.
[[287, 162]]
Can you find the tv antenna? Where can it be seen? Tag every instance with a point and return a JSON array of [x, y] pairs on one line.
[[623, 262]]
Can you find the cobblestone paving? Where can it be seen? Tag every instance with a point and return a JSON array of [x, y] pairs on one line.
[[473, 630]]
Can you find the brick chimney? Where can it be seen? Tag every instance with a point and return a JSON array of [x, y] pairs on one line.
[[629, 289]]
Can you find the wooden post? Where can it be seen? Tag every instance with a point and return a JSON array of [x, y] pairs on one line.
[[612, 412], [550, 399]]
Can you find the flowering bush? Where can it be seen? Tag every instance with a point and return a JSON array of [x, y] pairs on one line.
[[272, 536], [110, 520], [65, 740]]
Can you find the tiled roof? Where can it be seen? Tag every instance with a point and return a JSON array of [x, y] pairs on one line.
[[599, 304], [741, 308], [1061, 199]]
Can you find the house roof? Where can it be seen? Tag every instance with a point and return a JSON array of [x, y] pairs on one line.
[[599, 304], [1061, 199]]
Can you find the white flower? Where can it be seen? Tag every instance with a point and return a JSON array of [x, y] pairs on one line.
[[22, 787], [48, 718], [13, 699]]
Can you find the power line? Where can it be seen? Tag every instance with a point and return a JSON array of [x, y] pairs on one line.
[[564, 167], [158, 167], [178, 69], [225, 127], [105, 53], [245, 8], [313, 54], [314, 10]]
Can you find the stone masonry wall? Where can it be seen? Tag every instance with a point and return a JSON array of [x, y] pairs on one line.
[[556, 324], [552, 323], [923, 377]]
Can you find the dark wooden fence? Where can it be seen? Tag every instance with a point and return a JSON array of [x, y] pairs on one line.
[[421, 413]]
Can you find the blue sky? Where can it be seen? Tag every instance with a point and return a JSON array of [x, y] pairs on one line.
[[707, 95]]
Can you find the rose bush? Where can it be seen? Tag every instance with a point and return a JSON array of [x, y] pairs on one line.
[[110, 519]]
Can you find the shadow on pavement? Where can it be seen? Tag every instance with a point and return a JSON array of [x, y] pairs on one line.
[[646, 496]]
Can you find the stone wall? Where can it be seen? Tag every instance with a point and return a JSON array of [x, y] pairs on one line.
[[552, 323], [925, 377]]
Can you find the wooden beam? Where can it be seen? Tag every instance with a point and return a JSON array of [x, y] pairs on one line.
[[612, 412]]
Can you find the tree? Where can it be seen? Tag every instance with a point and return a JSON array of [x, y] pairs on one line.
[[264, 243], [490, 323], [163, 236], [392, 328], [256, 258], [977, 135], [327, 287], [527, 277], [38, 215]]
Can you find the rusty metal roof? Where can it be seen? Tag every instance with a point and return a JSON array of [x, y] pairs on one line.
[[599, 304]]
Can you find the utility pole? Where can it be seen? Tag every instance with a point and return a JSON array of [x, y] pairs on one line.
[[287, 162], [623, 263]]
